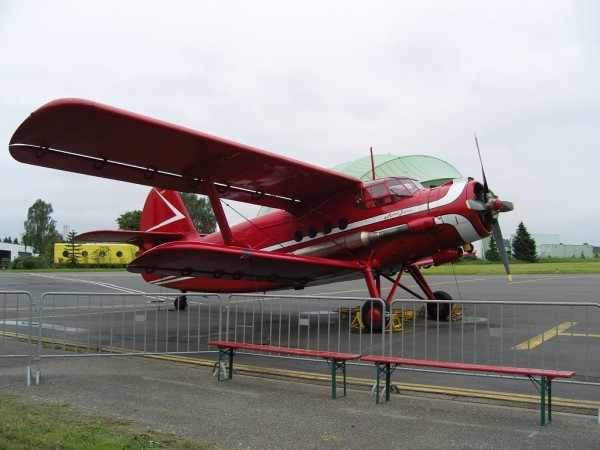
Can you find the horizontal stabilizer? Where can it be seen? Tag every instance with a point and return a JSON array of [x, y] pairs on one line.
[[128, 237]]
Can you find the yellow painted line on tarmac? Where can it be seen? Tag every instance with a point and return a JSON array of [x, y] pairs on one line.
[[581, 335], [546, 336], [18, 336]]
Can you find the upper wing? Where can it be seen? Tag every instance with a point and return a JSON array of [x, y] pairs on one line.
[[197, 259], [94, 139]]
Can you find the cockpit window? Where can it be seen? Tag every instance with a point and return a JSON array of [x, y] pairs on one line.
[[387, 191], [404, 187]]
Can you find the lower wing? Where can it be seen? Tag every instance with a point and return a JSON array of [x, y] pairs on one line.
[[197, 259]]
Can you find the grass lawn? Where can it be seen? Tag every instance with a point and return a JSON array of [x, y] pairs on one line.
[[25, 424], [482, 267]]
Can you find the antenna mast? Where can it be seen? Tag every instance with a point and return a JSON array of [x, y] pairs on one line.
[[372, 163]]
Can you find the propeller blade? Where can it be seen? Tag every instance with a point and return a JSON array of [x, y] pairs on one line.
[[495, 205], [485, 185], [507, 206], [477, 206], [497, 233]]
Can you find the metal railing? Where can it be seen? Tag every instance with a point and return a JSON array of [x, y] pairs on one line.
[[315, 323], [543, 335], [16, 327]]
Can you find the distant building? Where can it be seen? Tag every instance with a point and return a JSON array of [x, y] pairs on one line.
[[549, 246], [565, 251], [14, 251], [97, 254]]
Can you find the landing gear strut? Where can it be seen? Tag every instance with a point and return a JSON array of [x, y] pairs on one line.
[[372, 313]]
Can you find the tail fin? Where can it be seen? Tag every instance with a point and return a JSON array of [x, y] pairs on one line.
[[164, 219], [165, 212]]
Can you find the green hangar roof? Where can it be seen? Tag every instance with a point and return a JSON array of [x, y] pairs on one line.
[[428, 170]]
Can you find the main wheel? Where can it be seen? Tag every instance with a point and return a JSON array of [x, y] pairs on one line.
[[374, 316], [439, 311], [180, 303]]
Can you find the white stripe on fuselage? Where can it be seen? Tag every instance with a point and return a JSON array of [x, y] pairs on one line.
[[453, 193], [168, 280]]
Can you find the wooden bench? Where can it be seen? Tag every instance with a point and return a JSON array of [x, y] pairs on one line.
[[336, 361], [386, 365]]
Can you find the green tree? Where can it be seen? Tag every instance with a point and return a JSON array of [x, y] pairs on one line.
[[492, 254], [101, 256], [523, 245], [130, 220], [40, 230], [200, 212], [74, 249]]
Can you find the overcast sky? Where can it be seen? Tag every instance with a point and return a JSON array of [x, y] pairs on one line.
[[322, 81]]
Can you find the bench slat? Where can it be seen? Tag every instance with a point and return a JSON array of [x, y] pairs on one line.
[[466, 366], [286, 350]]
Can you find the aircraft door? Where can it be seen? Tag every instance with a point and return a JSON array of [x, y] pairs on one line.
[[433, 205]]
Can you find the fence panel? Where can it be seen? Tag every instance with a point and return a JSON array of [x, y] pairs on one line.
[[16, 327], [543, 335], [78, 324], [315, 323]]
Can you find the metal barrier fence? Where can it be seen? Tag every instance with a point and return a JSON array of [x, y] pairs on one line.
[[315, 323], [99, 324], [16, 327], [543, 335], [547, 335], [540, 335]]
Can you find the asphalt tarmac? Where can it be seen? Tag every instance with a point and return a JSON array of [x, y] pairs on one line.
[[253, 412], [257, 412]]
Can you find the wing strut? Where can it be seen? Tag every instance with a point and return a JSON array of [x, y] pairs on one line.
[[217, 207]]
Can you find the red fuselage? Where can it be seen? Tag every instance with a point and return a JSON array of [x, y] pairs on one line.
[[390, 223]]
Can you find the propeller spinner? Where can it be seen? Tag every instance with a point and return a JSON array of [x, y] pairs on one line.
[[493, 205]]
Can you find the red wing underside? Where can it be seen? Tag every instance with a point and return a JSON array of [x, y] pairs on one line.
[[233, 263], [94, 139]]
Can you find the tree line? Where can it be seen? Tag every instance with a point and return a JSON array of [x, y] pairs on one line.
[[40, 229], [523, 247]]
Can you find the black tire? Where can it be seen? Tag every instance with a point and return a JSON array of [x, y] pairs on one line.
[[180, 303], [439, 311], [374, 317]]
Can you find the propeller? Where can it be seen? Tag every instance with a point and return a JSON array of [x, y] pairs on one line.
[[493, 205]]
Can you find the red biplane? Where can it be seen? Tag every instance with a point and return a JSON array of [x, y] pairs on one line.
[[326, 226]]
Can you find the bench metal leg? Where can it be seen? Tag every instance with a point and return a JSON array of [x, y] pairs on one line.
[[225, 356], [337, 366], [384, 370], [545, 388]]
